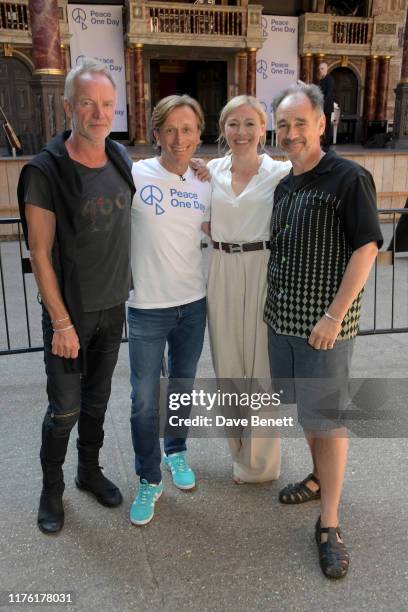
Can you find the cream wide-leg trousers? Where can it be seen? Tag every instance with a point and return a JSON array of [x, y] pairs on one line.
[[239, 347]]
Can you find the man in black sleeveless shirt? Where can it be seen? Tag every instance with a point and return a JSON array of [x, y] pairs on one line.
[[75, 199]]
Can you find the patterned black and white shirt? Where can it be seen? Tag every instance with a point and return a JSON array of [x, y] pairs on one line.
[[319, 218]]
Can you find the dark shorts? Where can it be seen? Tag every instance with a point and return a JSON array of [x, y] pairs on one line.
[[315, 380]]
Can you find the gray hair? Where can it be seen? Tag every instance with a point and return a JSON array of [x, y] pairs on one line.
[[87, 66], [312, 92]]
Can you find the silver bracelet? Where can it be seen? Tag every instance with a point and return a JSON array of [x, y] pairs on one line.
[[326, 314], [63, 329]]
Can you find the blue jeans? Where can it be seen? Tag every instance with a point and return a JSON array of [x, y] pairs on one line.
[[183, 328]]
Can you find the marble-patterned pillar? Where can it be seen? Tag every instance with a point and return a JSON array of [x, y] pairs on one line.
[[140, 106], [242, 73], [306, 68], [401, 99], [382, 88], [45, 36], [251, 72], [370, 90]]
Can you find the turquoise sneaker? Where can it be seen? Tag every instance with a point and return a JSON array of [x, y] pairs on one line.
[[183, 475], [142, 509]]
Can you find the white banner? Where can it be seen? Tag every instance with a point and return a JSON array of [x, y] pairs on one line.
[[277, 61], [97, 31]]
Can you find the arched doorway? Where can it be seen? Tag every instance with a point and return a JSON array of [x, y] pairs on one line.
[[17, 102], [346, 96]]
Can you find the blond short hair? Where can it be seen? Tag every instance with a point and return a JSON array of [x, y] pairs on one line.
[[235, 103], [165, 106]]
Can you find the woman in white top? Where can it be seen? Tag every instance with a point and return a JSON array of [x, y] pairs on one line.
[[243, 183]]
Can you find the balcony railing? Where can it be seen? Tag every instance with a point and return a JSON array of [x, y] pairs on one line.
[[350, 32], [14, 15], [211, 21]]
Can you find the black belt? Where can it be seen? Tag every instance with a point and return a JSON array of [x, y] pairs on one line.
[[242, 248]]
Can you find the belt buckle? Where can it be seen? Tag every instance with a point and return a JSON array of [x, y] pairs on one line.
[[235, 248]]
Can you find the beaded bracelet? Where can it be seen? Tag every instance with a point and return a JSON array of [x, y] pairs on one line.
[[63, 329], [326, 314]]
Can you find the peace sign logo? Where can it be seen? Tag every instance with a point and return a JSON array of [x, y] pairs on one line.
[[261, 68], [79, 16], [152, 195]]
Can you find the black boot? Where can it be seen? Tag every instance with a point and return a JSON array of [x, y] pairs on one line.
[[55, 438], [90, 477], [51, 511]]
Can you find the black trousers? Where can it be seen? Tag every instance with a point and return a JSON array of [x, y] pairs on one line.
[[327, 137], [79, 398]]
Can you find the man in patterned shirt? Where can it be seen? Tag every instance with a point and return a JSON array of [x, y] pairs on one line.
[[324, 239]]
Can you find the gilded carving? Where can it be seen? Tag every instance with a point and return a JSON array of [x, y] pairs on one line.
[[317, 26], [386, 28]]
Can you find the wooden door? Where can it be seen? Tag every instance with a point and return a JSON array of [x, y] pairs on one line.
[[212, 95], [16, 100]]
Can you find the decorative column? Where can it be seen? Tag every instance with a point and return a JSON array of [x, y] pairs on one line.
[[251, 72], [370, 89], [140, 106], [130, 91], [48, 74], [45, 36], [318, 58], [382, 88], [320, 6], [306, 68], [242, 73], [401, 99]]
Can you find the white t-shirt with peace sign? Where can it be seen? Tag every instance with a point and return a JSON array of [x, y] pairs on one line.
[[167, 212]]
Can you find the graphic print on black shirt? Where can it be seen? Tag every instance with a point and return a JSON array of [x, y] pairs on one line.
[[103, 239]]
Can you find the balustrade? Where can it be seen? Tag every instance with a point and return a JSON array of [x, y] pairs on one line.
[[14, 16], [210, 21], [350, 32]]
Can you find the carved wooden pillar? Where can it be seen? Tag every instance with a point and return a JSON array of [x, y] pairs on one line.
[[401, 98], [48, 74], [370, 88], [318, 58], [306, 68], [320, 6], [131, 93], [140, 106], [251, 72], [242, 73], [382, 88]]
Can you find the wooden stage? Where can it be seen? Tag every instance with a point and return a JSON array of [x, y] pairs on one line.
[[389, 168]]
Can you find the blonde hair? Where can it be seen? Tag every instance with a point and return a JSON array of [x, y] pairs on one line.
[[166, 105], [235, 103]]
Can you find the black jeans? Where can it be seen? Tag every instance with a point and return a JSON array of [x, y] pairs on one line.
[[76, 397]]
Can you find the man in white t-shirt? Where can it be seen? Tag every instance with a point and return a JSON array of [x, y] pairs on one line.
[[168, 301]]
